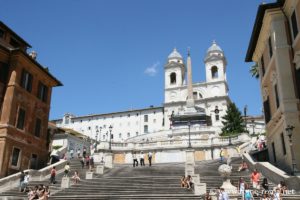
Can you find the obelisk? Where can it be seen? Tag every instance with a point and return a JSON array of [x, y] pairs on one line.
[[190, 103]]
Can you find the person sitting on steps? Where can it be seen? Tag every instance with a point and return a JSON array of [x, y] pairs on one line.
[[183, 182], [189, 182], [76, 177], [243, 167]]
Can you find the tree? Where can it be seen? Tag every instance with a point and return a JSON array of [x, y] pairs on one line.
[[254, 70], [233, 122]]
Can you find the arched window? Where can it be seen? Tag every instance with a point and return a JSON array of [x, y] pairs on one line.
[[195, 95], [173, 78], [214, 72], [217, 113]]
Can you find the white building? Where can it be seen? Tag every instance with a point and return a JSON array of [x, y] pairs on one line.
[[153, 123]]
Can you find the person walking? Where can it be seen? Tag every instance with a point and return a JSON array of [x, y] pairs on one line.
[[248, 193], [92, 162], [224, 194], [52, 175], [82, 162], [135, 160], [84, 152], [142, 161], [87, 162], [222, 154], [78, 153], [71, 153], [255, 176], [150, 158], [265, 184], [26, 181], [22, 177], [241, 186], [67, 169]]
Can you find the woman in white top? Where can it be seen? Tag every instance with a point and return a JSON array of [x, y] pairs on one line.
[[241, 185]]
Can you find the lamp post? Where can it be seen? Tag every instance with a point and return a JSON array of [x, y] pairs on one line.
[[97, 132], [189, 125], [100, 133], [245, 116], [289, 130], [253, 126], [110, 129]]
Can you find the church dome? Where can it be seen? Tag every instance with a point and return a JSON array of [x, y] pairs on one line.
[[175, 54], [214, 47]]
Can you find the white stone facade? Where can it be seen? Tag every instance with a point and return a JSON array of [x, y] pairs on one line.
[[153, 123]]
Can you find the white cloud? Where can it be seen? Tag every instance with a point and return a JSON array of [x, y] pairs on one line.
[[152, 70]]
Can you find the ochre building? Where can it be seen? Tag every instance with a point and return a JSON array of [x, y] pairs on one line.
[[25, 95], [275, 46]]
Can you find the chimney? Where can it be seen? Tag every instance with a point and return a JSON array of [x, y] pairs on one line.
[[33, 55]]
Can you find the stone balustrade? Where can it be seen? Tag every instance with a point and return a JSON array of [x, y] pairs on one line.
[[273, 173], [173, 143], [35, 175]]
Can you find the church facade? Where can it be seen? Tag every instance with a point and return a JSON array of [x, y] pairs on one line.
[[153, 123]]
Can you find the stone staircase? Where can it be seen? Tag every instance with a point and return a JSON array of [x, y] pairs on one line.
[[125, 182], [161, 181], [15, 194]]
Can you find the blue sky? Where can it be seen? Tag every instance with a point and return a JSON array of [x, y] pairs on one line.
[[101, 49]]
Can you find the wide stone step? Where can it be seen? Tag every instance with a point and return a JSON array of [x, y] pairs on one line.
[[129, 196]]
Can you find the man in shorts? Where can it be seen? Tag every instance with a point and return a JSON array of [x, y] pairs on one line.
[[255, 176]]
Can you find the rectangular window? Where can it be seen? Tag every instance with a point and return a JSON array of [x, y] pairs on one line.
[[146, 129], [283, 144], [274, 153], [15, 157], [276, 96], [217, 117], [145, 118], [21, 119], [1, 33], [3, 73], [33, 161], [262, 63], [267, 110], [298, 81], [294, 24], [26, 80], [42, 92], [14, 43], [270, 47], [38, 127]]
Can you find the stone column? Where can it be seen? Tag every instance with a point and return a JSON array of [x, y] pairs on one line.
[[89, 175], [109, 160], [190, 162], [65, 182], [200, 188], [100, 169]]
